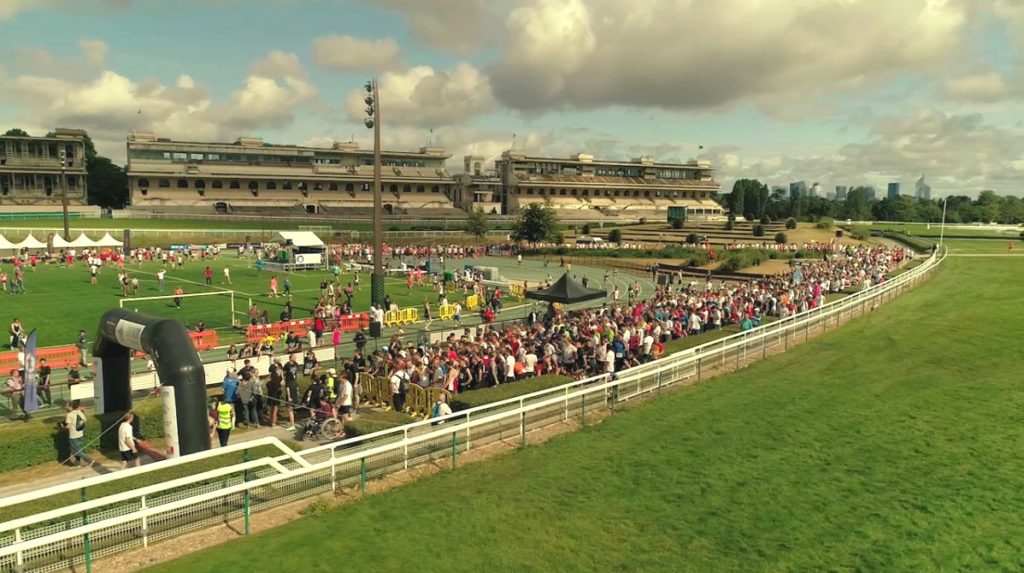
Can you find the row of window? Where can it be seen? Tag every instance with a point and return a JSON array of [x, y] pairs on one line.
[[614, 193], [285, 185], [181, 157], [33, 181]]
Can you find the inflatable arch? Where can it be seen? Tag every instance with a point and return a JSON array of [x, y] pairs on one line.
[[181, 374]]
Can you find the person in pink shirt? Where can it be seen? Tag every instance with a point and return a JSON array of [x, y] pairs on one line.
[[273, 286]]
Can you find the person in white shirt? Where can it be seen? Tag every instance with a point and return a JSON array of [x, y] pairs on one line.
[[609, 360], [344, 403], [75, 424], [510, 368], [126, 442], [648, 344], [529, 364], [441, 408], [227, 275]]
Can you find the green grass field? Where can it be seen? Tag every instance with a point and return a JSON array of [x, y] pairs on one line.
[[952, 230], [59, 301], [892, 444]]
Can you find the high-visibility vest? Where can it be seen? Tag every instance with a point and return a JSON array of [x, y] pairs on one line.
[[224, 416]]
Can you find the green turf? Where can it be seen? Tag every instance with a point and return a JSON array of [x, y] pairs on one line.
[[59, 301], [892, 444]]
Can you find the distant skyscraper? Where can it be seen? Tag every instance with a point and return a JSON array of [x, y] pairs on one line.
[[797, 189], [894, 190], [816, 191], [924, 191], [872, 193], [841, 192]]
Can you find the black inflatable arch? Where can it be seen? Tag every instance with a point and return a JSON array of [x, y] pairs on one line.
[[181, 374]]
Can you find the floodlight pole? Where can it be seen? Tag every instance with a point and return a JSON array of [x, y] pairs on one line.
[[377, 278], [942, 228]]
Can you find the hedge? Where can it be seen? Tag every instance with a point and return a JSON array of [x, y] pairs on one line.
[[371, 422], [474, 398], [25, 444]]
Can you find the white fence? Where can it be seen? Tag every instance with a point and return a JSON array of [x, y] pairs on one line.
[[78, 532]]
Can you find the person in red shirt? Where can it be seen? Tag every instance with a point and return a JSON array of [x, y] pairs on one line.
[[208, 275]]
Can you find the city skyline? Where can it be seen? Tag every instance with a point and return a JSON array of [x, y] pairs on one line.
[[926, 86]]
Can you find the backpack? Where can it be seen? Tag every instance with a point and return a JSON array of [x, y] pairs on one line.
[[79, 423], [403, 382]]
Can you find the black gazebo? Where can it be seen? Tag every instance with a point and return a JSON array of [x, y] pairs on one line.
[[566, 291]]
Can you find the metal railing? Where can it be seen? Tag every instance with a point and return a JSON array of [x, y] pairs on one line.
[[62, 538]]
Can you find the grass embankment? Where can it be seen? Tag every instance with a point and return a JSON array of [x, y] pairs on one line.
[[891, 444]]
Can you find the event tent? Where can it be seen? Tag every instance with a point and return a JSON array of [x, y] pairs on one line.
[[298, 238], [566, 291], [6, 245], [82, 242], [108, 241], [30, 242], [60, 243]]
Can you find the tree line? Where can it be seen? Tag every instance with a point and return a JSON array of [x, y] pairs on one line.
[[753, 201]]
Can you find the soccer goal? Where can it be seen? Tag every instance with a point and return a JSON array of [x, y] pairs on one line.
[[216, 308]]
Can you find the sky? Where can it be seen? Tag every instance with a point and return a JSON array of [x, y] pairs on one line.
[[840, 92]]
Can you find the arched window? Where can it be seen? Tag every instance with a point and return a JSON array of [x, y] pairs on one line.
[[200, 184], [406, 189], [350, 187], [332, 186], [164, 183], [253, 185], [143, 183], [218, 184], [393, 188], [434, 189], [420, 189], [234, 184], [182, 184]]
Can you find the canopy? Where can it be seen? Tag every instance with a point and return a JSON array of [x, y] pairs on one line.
[[108, 241], [82, 242], [30, 242], [298, 238], [60, 243], [566, 291], [6, 245]]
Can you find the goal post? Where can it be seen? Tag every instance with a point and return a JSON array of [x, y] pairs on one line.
[[128, 301]]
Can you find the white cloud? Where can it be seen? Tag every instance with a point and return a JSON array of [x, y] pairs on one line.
[[109, 104], [983, 87], [679, 54], [351, 53], [11, 8], [447, 25], [423, 96], [278, 64]]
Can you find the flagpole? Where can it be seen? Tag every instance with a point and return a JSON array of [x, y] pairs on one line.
[[942, 229]]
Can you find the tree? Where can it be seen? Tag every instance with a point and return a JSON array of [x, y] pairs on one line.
[[537, 222], [858, 204], [781, 238], [790, 223], [108, 183], [586, 228], [615, 236], [759, 230], [477, 224], [736, 198], [16, 132]]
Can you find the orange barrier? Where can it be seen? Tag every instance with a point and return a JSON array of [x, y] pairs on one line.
[[258, 332], [204, 340], [56, 356], [354, 322]]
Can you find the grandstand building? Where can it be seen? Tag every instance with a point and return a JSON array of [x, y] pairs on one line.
[[582, 187], [30, 169], [250, 175]]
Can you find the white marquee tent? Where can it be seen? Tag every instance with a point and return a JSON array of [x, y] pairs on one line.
[[30, 242], [6, 245], [60, 243], [82, 242], [108, 241]]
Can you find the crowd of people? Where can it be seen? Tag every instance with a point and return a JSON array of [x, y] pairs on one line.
[[578, 343]]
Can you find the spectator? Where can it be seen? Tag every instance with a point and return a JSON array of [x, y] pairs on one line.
[[126, 443], [74, 422]]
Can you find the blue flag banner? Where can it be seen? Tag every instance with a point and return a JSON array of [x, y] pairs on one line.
[[31, 396]]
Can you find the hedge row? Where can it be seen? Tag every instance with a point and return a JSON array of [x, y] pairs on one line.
[[372, 422], [25, 444], [474, 398]]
